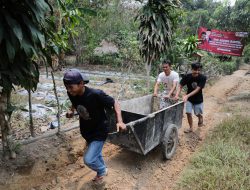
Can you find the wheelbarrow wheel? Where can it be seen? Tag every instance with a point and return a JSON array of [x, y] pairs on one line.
[[169, 141]]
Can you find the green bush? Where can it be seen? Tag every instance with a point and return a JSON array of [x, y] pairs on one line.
[[109, 59], [228, 67], [246, 54], [246, 59]]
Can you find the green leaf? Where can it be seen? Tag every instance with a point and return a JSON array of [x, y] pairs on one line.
[[41, 38], [56, 49], [61, 5], [86, 11], [42, 5], [31, 27], [15, 26], [14, 41], [10, 50], [28, 48], [35, 33], [35, 11]]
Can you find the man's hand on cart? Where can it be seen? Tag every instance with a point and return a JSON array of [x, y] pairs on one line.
[[176, 97], [185, 98], [167, 97], [121, 126]]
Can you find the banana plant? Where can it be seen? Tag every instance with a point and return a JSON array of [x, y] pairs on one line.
[[190, 45]]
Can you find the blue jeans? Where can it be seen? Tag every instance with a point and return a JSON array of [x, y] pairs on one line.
[[93, 157]]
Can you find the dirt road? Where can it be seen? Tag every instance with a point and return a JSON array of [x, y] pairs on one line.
[[56, 163]]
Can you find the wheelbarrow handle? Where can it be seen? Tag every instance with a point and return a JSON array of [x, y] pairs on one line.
[[130, 125]]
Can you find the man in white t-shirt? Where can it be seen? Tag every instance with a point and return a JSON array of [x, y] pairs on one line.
[[170, 80]]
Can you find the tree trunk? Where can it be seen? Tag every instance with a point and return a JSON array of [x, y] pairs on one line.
[[7, 142], [47, 72], [148, 70], [32, 132], [57, 101]]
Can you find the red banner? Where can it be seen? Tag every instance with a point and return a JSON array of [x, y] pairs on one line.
[[216, 41]]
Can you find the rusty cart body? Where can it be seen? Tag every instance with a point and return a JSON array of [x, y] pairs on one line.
[[147, 128]]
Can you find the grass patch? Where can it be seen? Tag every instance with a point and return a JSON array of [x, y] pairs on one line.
[[224, 161]]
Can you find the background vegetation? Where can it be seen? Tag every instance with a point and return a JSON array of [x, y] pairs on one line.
[[115, 22]]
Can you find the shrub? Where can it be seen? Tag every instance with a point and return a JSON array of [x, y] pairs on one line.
[[228, 67], [246, 54], [108, 59]]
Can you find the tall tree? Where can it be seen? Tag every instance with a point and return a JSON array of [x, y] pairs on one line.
[[222, 17], [241, 15], [21, 40]]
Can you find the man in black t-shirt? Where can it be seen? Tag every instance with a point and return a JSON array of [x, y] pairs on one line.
[[195, 82], [90, 103]]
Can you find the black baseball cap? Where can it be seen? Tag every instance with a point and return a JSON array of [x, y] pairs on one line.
[[196, 66], [74, 76]]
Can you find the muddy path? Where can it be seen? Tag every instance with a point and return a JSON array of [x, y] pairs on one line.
[[56, 163]]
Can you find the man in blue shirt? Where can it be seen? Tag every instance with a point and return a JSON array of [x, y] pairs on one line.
[[93, 120]]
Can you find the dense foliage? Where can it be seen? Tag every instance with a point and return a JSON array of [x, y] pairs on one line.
[[114, 22], [21, 40]]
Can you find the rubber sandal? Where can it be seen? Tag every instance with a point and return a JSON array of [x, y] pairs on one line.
[[188, 131]]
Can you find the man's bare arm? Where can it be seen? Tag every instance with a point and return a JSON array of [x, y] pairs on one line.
[[178, 92], [119, 124], [156, 88], [172, 89]]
